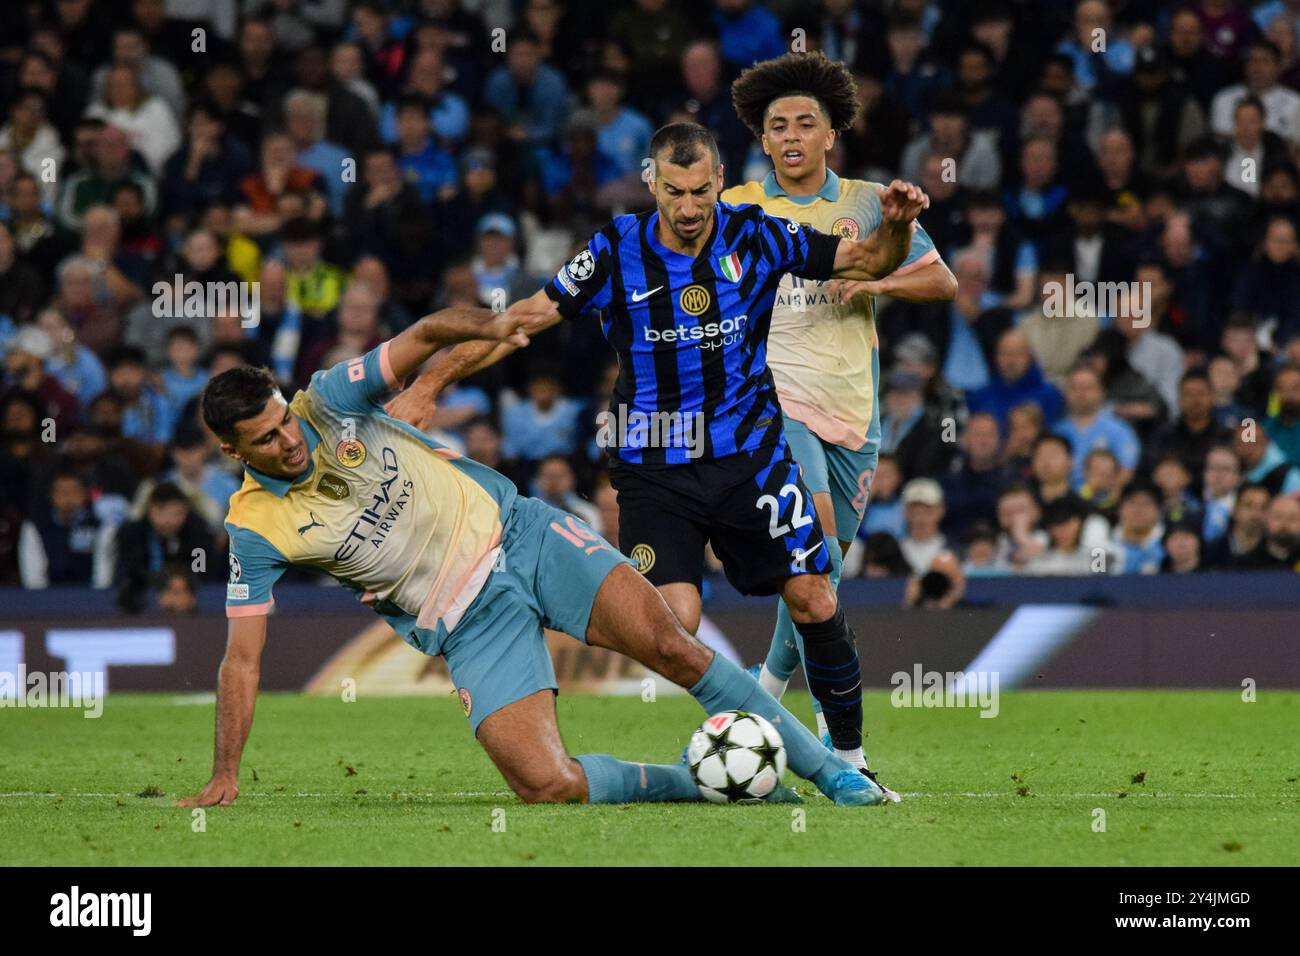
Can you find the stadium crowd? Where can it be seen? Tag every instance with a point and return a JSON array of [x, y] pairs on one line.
[[367, 162]]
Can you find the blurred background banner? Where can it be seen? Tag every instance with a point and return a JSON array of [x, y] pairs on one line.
[[1234, 628]]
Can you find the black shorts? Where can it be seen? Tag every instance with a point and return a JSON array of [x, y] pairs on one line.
[[752, 507]]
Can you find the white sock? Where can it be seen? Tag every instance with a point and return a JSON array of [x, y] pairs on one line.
[[822, 729], [855, 757], [771, 683]]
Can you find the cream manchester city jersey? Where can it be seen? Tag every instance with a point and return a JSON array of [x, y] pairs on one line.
[[409, 525], [819, 352]]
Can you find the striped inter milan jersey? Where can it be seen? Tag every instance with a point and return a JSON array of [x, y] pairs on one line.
[[690, 331]]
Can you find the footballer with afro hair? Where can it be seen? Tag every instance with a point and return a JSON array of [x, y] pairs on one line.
[[828, 83]]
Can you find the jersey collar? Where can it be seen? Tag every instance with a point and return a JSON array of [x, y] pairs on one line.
[[830, 190], [280, 486]]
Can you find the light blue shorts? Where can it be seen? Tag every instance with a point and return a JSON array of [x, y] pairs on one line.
[[551, 568], [835, 470]]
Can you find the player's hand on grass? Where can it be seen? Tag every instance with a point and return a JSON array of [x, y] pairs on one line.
[[902, 202], [220, 791]]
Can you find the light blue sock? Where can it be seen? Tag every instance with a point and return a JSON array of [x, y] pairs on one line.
[[725, 686], [610, 780]]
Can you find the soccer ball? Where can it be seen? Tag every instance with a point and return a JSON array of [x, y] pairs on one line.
[[736, 757]]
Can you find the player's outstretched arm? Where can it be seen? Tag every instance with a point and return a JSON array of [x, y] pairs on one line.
[[409, 350], [885, 249], [932, 282], [415, 404], [241, 670]]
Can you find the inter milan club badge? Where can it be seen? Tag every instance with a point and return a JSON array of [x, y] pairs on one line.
[[350, 452], [846, 227]]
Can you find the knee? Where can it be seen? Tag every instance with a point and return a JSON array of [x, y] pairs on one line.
[[565, 784], [810, 598]]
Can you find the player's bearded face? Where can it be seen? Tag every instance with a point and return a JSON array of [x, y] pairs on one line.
[[686, 197], [797, 136], [272, 441]]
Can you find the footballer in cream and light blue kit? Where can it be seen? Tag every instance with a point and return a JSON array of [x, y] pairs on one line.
[[418, 532], [461, 565]]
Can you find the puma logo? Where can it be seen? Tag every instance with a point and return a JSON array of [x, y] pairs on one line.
[[315, 523]]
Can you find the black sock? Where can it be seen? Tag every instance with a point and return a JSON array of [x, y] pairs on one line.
[[835, 677]]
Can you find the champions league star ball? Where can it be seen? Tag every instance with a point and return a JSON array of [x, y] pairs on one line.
[[736, 757]]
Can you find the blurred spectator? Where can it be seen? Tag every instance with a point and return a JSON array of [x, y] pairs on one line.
[[1102, 482], [1138, 536], [423, 162], [1219, 481], [448, 115], [531, 94], [93, 186], [21, 288], [182, 378], [1268, 287], [76, 367], [1088, 425], [170, 531], [146, 414], [1246, 530], [176, 590], [885, 508], [64, 542], [24, 371], [1263, 463], [1191, 435], [148, 122], [923, 510], [555, 484], [155, 75], [1016, 379], [206, 486], [972, 156], [35, 141], [304, 114], [1283, 426], [1280, 547], [970, 489], [1261, 68], [908, 431], [545, 423], [1182, 544], [1057, 338]]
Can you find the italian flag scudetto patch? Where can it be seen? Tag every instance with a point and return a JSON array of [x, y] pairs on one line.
[[731, 268]]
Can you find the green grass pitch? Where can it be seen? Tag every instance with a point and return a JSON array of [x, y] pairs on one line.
[[1183, 778]]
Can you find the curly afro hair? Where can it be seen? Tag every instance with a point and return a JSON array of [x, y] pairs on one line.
[[796, 74]]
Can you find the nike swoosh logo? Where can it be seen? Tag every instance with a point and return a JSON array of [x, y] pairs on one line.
[[802, 556], [642, 298]]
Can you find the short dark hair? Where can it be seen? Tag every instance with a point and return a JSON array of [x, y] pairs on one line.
[[165, 493], [683, 142], [1052, 438], [234, 395], [127, 355], [827, 82]]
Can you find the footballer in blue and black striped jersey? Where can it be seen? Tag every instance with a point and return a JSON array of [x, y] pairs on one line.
[[691, 331]]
